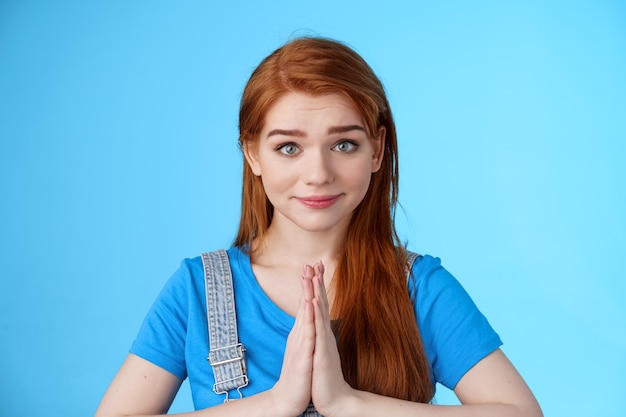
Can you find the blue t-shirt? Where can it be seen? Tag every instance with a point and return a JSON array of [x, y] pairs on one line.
[[174, 335]]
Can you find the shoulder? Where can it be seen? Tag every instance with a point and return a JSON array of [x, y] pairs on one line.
[[195, 267], [188, 281], [427, 271], [190, 275], [431, 285], [234, 260], [455, 333], [189, 271]]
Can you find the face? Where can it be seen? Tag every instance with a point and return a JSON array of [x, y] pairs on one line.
[[315, 159]]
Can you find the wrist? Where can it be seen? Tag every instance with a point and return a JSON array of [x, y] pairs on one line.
[[277, 405], [346, 405]]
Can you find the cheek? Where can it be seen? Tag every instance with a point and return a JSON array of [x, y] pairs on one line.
[[360, 175], [275, 182]]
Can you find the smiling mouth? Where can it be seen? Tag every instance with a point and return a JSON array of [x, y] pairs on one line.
[[319, 202]]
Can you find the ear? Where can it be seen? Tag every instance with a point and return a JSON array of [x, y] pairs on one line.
[[378, 148], [250, 151]]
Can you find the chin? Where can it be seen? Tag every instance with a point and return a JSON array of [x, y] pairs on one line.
[[322, 227]]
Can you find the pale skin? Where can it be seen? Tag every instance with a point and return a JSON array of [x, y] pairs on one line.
[[323, 165]]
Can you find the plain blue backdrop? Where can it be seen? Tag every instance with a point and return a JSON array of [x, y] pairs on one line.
[[118, 158]]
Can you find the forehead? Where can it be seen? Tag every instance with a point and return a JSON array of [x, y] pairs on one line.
[[302, 108]]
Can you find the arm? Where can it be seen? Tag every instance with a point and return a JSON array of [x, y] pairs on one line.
[[493, 387], [143, 389], [139, 387]]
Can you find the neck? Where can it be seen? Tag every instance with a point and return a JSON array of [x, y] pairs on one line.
[[288, 245]]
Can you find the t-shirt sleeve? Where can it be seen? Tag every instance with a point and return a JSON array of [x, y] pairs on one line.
[[455, 334], [161, 337]]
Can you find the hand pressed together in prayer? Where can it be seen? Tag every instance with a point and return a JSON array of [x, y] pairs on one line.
[[311, 366]]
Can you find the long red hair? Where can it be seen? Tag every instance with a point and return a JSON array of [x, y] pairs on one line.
[[378, 339]]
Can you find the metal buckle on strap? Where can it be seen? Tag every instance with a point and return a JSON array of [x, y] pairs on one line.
[[228, 354], [243, 383], [230, 357]]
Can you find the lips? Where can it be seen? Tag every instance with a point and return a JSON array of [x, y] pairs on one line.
[[319, 202]]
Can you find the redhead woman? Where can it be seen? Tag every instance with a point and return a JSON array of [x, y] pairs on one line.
[[331, 315]]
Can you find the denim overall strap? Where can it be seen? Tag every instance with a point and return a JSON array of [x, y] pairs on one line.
[[410, 260], [226, 354]]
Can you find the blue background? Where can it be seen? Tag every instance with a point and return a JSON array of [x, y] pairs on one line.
[[118, 158]]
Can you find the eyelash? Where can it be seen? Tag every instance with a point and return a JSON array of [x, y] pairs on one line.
[[353, 145], [281, 148]]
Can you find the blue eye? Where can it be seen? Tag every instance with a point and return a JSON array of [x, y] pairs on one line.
[[288, 149], [346, 146]]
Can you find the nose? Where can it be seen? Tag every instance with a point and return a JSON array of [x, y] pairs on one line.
[[317, 168]]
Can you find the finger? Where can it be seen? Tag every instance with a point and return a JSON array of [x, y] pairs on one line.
[[320, 289], [307, 283], [319, 273], [301, 310], [324, 338], [308, 271], [308, 318], [319, 319], [304, 318], [294, 384], [318, 278], [304, 315], [302, 335]]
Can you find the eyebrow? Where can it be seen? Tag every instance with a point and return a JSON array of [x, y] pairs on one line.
[[343, 129], [300, 134], [282, 132]]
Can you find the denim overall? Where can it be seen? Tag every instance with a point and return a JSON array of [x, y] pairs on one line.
[[226, 354]]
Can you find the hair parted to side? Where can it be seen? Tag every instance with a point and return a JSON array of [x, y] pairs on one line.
[[378, 339]]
